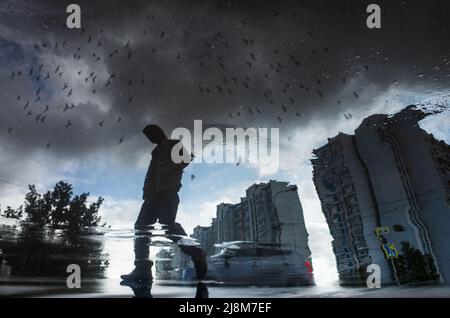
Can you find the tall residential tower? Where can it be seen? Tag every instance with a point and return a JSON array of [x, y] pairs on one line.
[[385, 193]]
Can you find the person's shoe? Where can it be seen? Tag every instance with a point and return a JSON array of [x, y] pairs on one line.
[[141, 289], [143, 292], [141, 272], [202, 291]]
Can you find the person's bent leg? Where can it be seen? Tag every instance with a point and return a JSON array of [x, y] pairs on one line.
[[167, 215], [147, 216]]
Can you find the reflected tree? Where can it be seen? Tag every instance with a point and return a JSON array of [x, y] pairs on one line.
[[55, 229], [11, 213], [414, 266]]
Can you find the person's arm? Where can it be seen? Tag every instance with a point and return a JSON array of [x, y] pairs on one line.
[[187, 162], [183, 154]]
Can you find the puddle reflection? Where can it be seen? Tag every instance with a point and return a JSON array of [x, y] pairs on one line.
[[34, 262]]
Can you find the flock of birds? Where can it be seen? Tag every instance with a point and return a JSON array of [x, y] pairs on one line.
[[283, 67]]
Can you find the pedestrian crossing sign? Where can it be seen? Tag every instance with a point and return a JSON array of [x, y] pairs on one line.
[[389, 250]]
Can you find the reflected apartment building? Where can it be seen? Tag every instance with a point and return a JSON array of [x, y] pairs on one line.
[[385, 193], [270, 213]]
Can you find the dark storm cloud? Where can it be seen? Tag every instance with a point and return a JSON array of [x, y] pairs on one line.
[[242, 63]]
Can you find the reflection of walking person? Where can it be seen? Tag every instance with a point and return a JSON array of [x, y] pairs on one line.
[[162, 183]]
